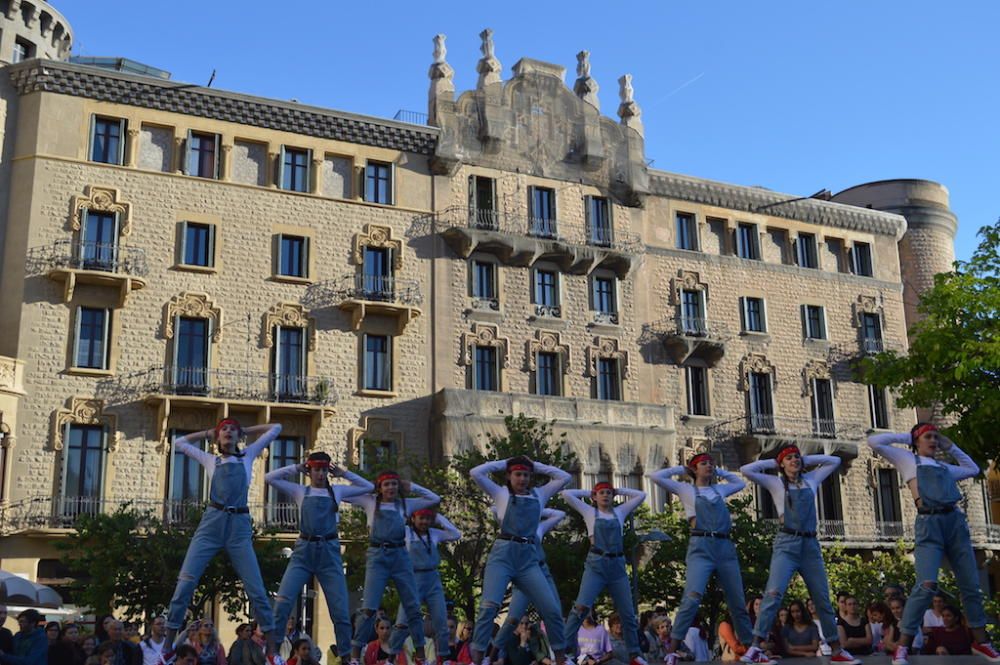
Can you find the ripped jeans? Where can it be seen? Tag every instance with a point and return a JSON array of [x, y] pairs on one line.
[[791, 554], [705, 556]]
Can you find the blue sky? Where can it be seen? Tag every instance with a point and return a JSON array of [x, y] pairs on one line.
[[794, 96]]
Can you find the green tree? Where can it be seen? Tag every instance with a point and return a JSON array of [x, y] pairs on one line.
[[954, 359], [127, 562]]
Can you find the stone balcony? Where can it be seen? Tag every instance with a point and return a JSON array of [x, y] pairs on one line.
[[368, 295], [521, 240], [864, 347], [72, 262], [764, 434], [686, 337]]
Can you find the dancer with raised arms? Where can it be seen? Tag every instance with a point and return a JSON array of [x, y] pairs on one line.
[[605, 564], [317, 549], [941, 529], [387, 557], [225, 524], [709, 550], [514, 556], [427, 530], [795, 547]]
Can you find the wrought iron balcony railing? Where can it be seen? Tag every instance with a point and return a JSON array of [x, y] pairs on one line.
[[548, 311], [78, 255], [371, 288], [606, 318], [222, 384], [690, 326], [768, 424]]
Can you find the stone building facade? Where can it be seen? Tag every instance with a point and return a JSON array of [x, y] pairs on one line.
[[176, 254]]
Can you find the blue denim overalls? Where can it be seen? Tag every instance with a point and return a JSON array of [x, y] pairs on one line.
[[519, 600], [426, 559]]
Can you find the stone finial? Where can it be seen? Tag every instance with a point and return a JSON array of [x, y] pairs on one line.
[[628, 110], [585, 87], [442, 81], [440, 50], [489, 67]]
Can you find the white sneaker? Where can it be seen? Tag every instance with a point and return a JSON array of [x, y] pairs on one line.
[[844, 657], [671, 659], [986, 650], [900, 654], [756, 656]]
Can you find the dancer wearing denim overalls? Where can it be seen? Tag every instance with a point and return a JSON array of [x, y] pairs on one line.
[[225, 524], [387, 557], [710, 549], [795, 547], [514, 556], [422, 543], [518, 599], [317, 549], [605, 565], [941, 530]]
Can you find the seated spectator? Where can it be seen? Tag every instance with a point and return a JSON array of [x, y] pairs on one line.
[[932, 616], [593, 642], [378, 650], [853, 629], [732, 648], [800, 638], [186, 655], [618, 649], [951, 639], [879, 617], [696, 642], [660, 639], [892, 591], [463, 654], [52, 629], [527, 646], [302, 653], [769, 644], [67, 650], [824, 647], [244, 651]]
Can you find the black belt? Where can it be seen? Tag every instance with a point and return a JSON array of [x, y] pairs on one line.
[[936, 511], [800, 534], [317, 539], [228, 509], [373, 543], [424, 570], [516, 539], [709, 534], [611, 555]]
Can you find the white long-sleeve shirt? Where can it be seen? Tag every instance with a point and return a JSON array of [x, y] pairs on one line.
[[906, 461], [447, 532], [424, 499], [209, 461], [688, 493], [501, 495], [590, 512], [298, 492], [756, 471]]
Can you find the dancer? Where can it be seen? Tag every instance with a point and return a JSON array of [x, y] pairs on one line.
[[422, 543], [317, 550], [513, 557], [941, 529], [710, 549], [605, 565], [795, 546], [518, 605], [225, 524], [387, 557]]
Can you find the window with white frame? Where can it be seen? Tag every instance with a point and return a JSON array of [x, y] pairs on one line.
[[281, 508], [548, 374], [878, 407], [483, 203], [483, 282], [188, 482], [293, 256], [692, 312], [107, 140], [288, 360], [805, 251], [83, 470], [813, 322], [198, 244], [753, 316], [871, 332], [861, 259], [696, 379], [545, 294], [377, 365], [599, 226], [687, 231], [760, 402], [542, 204], [822, 408], [202, 159], [92, 349], [888, 511], [191, 355], [374, 454], [97, 245], [608, 382], [485, 369], [293, 169], [604, 297], [747, 241], [379, 182]]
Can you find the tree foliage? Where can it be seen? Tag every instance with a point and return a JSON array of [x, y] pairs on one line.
[[127, 563], [953, 362]]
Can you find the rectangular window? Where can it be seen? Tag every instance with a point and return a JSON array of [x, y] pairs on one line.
[[289, 363], [861, 259], [765, 504], [484, 280], [295, 169], [485, 371], [92, 338], [871, 333], [374, 453], [543, 212], [829, 502], [198, 245], [191, 356], [547, 374], [378, 182], [602, 294], [84, 470], [281, 508], [752, 314], [609, 380], [203, 155], [813, 322], [760, 402], [687, 232], [805, 251], [23, 50], [378, 363], [692, 313], [599, 230], [98, 248], [879, 407], [697, 390], [748, 242], [888, 512], [822, 408], [107, 140], [483, 203], [293, 257], [376, 271], [546, 288], [187, 478]]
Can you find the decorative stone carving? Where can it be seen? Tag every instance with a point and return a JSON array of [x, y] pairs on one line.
[[289, 315], [585, 87], [607, 347], [376, 235], [8, 372], [756, 363], [195, 305], [103, 199], [592, 463], [489, 67], [547, 342], [628, 110], [814, 369], [374, 429], [484, 335], [686, 280], [13, 7], [865, 305], [84, 411], [440, 50]]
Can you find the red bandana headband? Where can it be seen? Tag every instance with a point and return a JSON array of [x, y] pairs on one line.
[[227, 421], [786, 451], [318, 464], [603, 485], [519, 467], [923, 429], [424, 512], [388, 475], [700, 457]]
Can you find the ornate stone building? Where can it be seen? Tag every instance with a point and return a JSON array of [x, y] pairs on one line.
[[174, 254]]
